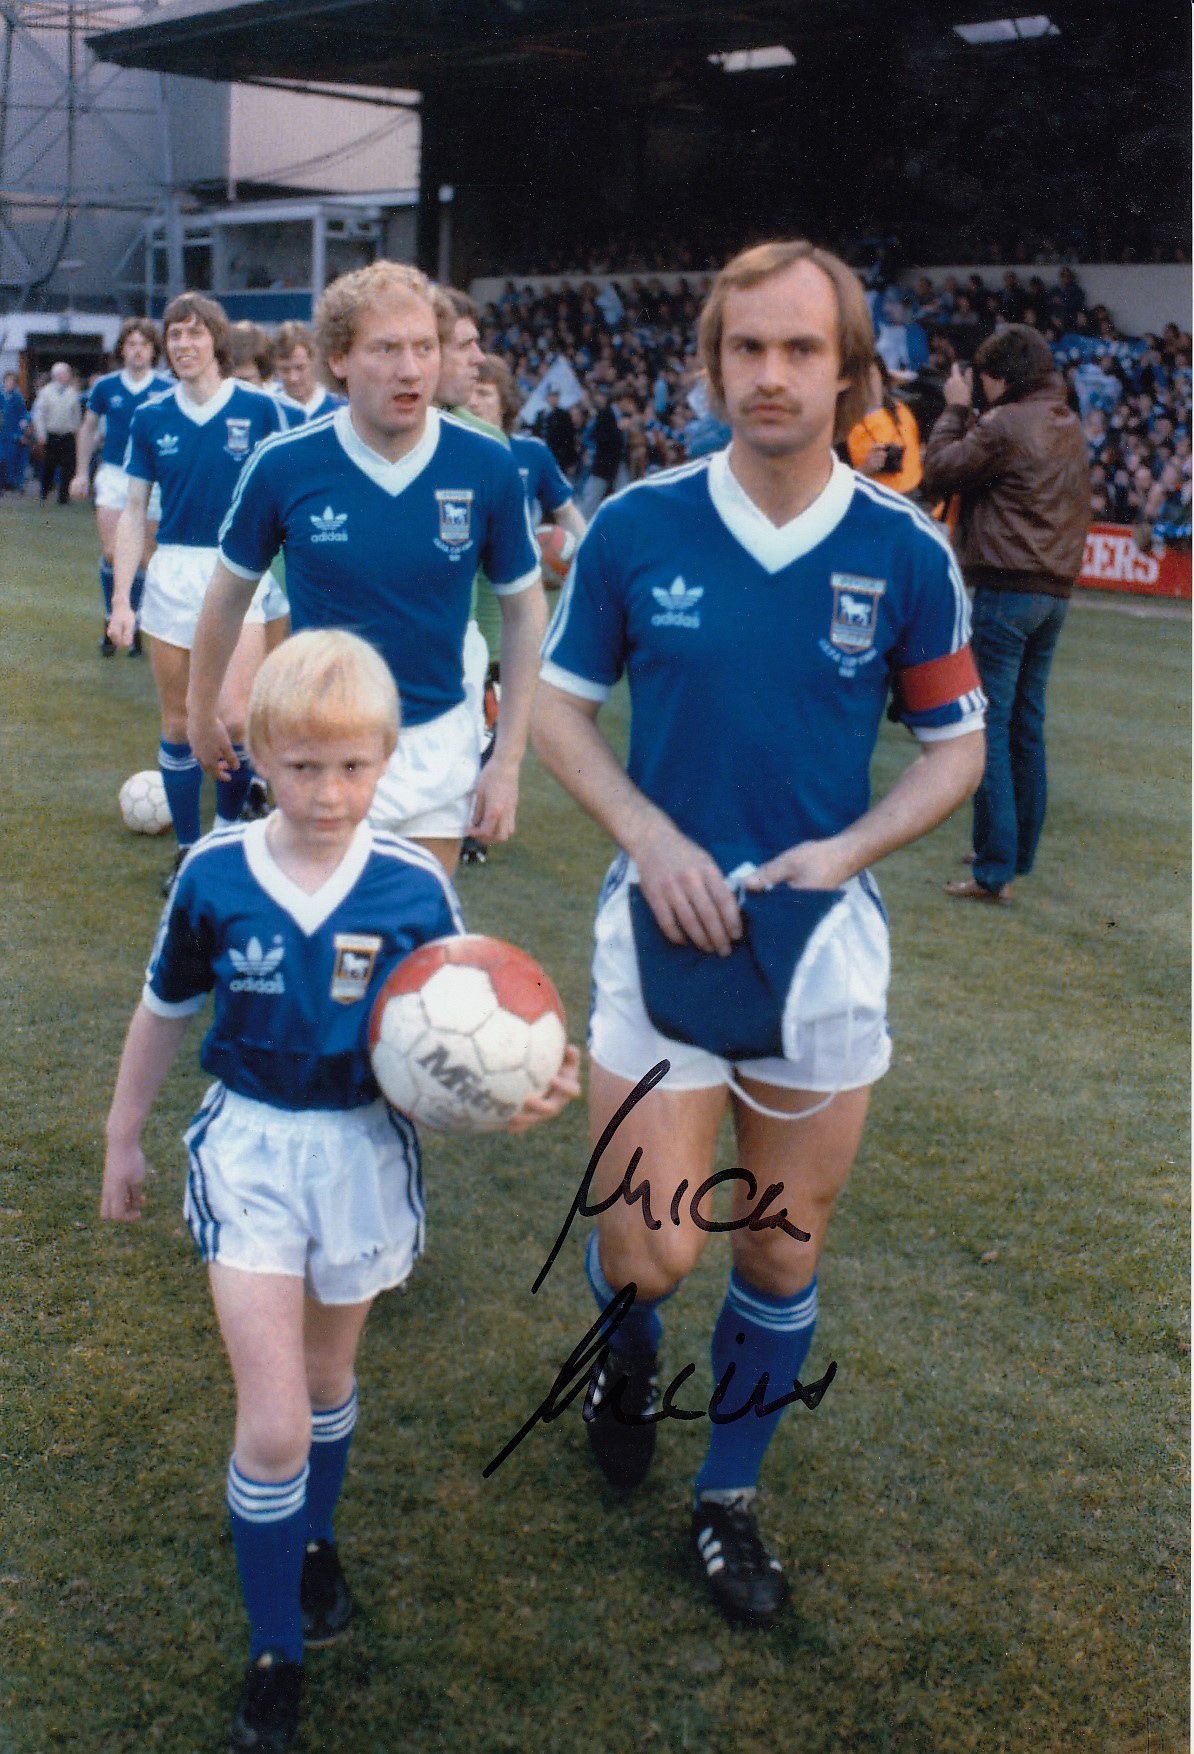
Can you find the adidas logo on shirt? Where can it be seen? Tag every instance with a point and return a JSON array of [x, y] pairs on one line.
[[167, 444], [677, 602], [256, 969], [329, 525]]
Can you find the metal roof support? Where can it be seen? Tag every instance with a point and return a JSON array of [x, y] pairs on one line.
[[52, 108]]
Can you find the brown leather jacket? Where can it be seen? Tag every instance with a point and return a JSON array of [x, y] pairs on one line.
[[1022, 472]]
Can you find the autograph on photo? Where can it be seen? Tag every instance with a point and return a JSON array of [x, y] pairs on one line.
[[595, 1343]]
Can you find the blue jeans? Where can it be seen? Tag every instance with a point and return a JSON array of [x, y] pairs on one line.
[[1014, 637]]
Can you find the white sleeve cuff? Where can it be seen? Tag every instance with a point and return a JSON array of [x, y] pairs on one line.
[[516, 585], [943, 733], [241, 572], [162, 1007], [568, 683]]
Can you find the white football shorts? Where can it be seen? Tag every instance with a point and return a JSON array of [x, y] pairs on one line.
[[842, 1040], [330, 1196], [475, 665], [112, 491], [427, 790], [175, 582]]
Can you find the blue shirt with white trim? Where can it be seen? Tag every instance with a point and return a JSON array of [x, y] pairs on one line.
[[295, 413], [759, 659], [114, 399], [294, 975], [544, 482], [195, 451], [387, 550]]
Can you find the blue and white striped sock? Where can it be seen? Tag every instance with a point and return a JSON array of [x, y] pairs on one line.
[[758, 1338], [640, 1329], [331, 1440], [183, 779], [269, 1525]]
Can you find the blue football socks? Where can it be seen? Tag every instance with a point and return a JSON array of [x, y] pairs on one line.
[[183, 779], [269, 1525], [331, 1440], [106, 580], [137, 590], [232, 792], [758, 1340], [640, 1329]]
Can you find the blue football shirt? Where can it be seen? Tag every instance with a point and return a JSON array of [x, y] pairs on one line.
[[114, 399], [543, 481], [759, 659], [294, 975], [296, 413], [195, 452], [387, 550]]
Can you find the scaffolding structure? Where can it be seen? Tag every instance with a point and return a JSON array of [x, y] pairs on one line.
[[85, 159]]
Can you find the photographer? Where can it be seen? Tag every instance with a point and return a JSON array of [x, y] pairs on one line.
[[885, 443], [1022, 473]]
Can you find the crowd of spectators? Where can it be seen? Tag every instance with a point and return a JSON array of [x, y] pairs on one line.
[[627, 397], [552, 251]]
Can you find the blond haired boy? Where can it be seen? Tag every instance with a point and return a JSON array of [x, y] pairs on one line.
[[304, 1189]]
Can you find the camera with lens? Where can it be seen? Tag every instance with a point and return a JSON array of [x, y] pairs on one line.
[[893, 459]]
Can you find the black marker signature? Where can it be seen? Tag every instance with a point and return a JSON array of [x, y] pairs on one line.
[[633, 1194], [573, 1377]]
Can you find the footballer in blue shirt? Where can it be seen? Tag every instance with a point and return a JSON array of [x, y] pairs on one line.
[[192, 443], [294, 363], [762, 603], [304, 1187], [384, 511], [114, 399], [547, 489]]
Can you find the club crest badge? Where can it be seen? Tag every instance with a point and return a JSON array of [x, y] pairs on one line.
[[855, 611], [356, 954], [238, 437], [455, 516]]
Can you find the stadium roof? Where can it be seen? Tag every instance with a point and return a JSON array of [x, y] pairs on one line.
[[475, 43], [550, 119]]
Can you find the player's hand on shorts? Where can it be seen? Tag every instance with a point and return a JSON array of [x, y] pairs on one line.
[[123, 1194], [495, 806], [212, 746], [559, 1093], [687, 892], [80, 487], [814, 864]]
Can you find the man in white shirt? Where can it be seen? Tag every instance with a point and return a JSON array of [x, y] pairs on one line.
[[57, 416]]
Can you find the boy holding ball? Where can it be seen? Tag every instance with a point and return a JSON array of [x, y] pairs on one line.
[[304, 1189]]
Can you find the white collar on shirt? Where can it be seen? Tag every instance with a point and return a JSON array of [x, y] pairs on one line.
[[308, 911], [392, 478], [134, 386], [777, 546], [202, 412]]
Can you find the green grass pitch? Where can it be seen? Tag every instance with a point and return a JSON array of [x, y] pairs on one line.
[[985, 1522]]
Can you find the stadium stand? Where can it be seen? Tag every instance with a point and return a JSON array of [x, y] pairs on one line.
[[631, 342]]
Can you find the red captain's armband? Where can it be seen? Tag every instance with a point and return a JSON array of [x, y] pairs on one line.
[[942, 680]]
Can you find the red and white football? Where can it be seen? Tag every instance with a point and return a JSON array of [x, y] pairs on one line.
[[463, 1030], [556, 549]]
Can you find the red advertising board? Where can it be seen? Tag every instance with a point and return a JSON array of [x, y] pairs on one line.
[[1112, 562]]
